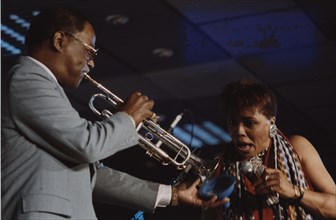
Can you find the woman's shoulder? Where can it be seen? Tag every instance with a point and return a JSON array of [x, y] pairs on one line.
[[298, 139], [302, 146]]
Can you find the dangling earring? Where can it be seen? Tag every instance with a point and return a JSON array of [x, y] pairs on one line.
[[272, 131]]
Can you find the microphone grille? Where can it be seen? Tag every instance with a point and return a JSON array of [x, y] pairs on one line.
[[246, 167]]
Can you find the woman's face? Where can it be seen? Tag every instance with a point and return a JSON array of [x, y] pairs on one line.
[[249, 130]]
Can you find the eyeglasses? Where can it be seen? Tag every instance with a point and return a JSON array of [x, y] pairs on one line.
[[91, 52]]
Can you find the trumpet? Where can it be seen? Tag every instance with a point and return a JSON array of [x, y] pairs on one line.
[[177, 153]]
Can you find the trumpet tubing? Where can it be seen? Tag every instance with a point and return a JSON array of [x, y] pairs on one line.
[[182, 156]]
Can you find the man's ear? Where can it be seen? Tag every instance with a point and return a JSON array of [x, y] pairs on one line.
[[58, 41]]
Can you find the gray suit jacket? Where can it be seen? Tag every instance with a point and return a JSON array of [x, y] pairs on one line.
[[47, 149]]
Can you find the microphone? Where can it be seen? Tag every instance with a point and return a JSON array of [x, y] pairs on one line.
[[176, 120], [171, 127], [253, 173]]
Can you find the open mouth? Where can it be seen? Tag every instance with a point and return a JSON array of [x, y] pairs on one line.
[[244, 147]]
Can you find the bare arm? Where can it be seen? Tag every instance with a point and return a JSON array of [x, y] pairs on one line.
[[323, 200]]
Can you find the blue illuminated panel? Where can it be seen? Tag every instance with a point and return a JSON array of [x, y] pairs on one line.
[[13, 29]]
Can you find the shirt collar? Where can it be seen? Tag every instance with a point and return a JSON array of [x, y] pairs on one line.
[[43, 66]]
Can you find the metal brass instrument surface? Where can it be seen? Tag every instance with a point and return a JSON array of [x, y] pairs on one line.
[[177, 153]]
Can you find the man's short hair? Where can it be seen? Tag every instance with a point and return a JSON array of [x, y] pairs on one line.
[[48, 22]]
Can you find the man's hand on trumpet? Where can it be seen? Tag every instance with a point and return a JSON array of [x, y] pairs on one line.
[[139, 107]]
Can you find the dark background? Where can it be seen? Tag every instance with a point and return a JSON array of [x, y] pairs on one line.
[[289, 45]]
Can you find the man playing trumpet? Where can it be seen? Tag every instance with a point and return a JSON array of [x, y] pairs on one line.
[[49, 152]]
